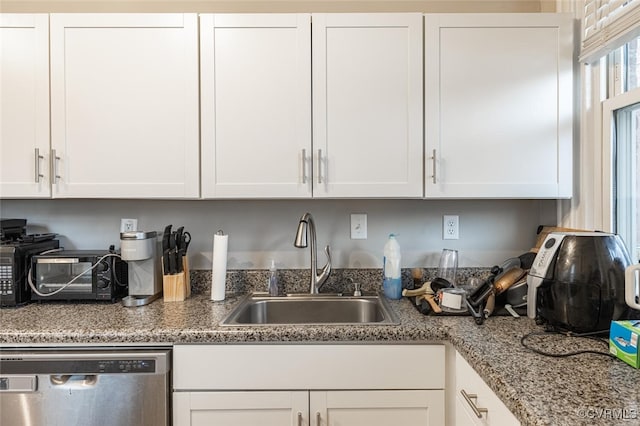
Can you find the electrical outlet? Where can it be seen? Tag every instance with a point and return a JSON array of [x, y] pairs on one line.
[[359, 226], [128, 225], [450, 227]]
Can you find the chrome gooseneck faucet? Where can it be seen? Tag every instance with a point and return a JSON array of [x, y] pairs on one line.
[[307, 228]]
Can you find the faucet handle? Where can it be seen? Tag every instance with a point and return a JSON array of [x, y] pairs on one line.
[[356, 290]]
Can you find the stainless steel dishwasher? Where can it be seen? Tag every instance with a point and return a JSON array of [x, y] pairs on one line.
[[118, 387]]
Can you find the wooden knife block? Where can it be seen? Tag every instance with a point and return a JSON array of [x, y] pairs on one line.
[[177, 287]]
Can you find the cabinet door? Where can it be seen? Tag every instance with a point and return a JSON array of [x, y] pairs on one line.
[[367, 105], [256, 105], [468, 382], [465, 415], [241, 408], [124, 105], [373, 408], [24, 106], [498, 105]]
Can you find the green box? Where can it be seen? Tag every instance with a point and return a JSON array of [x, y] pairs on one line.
[[623, 341]]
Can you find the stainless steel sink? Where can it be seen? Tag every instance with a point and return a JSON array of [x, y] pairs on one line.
[[261, 309]]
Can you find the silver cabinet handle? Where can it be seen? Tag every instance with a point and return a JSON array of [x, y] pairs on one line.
[[38, 158], [317, 418], [304, 166], [54, 166], [434, 166], [320, 166], [299, 414], [468, 397]]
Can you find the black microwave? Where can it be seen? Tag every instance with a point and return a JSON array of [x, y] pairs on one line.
[[79, 275]]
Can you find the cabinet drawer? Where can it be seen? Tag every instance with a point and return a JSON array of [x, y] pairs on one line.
[[471, 383], [276, 367]]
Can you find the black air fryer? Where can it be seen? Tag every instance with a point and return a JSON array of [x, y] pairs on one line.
[[576, 282]]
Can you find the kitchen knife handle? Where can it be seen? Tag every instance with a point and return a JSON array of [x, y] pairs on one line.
[[304, 166], [320, 166], [468, 397], [434, 165], [54, 166], [38, 158]]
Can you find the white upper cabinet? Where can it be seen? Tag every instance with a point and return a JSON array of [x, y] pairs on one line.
[[256, 94], [255, 105], [498, 105], [124, 105], [367, 105], [24, 106]]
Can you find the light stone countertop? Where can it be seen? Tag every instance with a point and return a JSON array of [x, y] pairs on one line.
[[538, 390]]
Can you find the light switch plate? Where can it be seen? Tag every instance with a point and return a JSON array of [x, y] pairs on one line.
[[359, 226]]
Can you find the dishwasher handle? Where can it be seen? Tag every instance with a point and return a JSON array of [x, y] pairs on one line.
[[73, 380]]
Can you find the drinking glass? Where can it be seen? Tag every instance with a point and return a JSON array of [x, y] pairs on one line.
[[448, 266]]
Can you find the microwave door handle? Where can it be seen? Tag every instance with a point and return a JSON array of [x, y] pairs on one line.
[[64, 260]]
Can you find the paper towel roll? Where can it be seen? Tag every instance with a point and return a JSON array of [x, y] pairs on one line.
[[219, 268]]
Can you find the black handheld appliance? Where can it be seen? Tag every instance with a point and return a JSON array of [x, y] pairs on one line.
[[577, 281]]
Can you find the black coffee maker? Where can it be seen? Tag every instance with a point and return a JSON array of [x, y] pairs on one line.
[[577, 281]]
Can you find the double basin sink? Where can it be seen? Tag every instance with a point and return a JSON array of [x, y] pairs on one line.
[[258, 309]]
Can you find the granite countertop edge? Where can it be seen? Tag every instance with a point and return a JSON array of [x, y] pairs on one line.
[[490, 349]]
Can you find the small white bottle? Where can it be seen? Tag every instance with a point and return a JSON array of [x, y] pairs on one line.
[[273, 279], [392, 280]]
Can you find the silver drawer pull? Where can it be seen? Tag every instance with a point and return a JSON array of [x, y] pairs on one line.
[[38, 158], [299, 418], [317, 418], [304, 166], [434, 166], [476, 410], [320, 166], [54, 166]]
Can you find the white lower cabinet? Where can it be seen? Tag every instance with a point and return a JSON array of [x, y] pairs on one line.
[[240, 408], [310, 385], [475, 402], [314, 408], [376, 408]]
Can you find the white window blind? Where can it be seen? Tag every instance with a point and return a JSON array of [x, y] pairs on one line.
[[607, 25]]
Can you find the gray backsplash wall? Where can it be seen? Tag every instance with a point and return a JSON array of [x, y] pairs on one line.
[[261, 230]]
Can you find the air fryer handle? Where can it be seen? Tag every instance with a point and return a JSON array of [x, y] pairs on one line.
[[630, 287], [533, 283]]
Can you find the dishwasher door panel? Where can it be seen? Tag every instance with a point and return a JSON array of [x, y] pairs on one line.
[[113, 400], [118, 399]]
